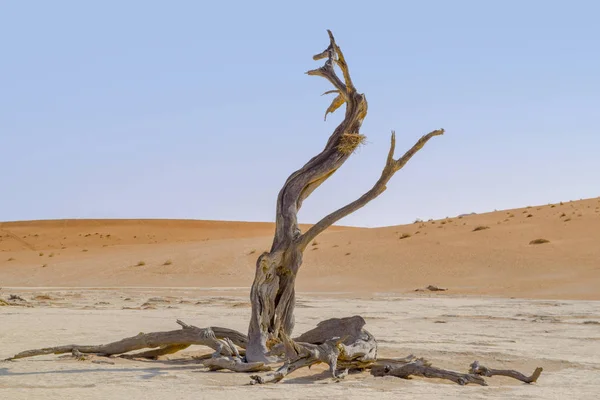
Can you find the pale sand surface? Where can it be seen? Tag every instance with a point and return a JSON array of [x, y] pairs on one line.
[[509, 304], [451, 331]]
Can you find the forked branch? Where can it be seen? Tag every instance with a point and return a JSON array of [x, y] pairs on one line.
[[390, 168]]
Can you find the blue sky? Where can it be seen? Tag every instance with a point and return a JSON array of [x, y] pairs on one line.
[[190, 109]]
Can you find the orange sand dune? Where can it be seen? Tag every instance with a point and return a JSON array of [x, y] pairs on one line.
[[497, 261]]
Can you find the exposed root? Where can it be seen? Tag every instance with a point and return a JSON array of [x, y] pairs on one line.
[[233, 362], [167, 342], [79, 356], [484, 371], [421, 367], [307, 355], [341, 343], [161, 351]]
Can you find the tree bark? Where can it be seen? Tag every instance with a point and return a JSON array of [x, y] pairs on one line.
[[478, 369], [273, 295], [167, 343], [420, 367]]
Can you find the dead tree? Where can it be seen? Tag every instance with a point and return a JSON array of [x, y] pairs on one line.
[[342, 343], [272, 293]]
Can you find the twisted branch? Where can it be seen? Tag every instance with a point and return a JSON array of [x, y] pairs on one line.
[[390, 168]]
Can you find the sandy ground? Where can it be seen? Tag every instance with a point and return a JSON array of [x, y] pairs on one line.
[[561, 336], [509, 304], [498, 261]]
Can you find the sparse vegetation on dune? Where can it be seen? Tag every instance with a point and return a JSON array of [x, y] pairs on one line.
[[539, 241], [480, 228]]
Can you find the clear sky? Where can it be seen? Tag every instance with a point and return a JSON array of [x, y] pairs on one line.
[[197, 109]]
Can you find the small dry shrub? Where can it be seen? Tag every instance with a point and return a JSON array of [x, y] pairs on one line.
[[480, 228], [539, 241]]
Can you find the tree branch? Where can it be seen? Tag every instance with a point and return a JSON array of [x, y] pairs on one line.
[[421, 367], [484, 371], [390, 168], [167, 342], [304, 181]]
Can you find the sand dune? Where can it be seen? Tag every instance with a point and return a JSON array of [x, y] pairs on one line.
[[497, 261]]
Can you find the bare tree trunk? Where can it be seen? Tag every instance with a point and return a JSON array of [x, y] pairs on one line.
[[342, 343], [273, 295]]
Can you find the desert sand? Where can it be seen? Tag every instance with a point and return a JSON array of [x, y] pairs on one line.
[[509, 303], [498, 261]]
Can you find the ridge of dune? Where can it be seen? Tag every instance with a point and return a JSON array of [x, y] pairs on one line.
[[497, 259]]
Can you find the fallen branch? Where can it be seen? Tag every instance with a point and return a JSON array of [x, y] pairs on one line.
[[421, 367], [218, 363], [233, 362], [161, 351], [168, 342], [341, 343], [484, 371]]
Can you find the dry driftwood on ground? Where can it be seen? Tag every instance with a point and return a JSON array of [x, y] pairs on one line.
[[168, 342], [484, 371]]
